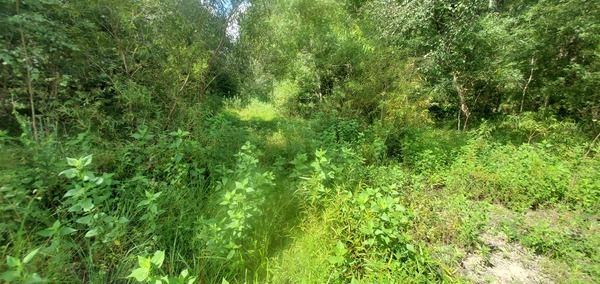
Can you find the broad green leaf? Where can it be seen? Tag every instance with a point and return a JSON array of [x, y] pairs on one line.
[[74, 192], [87, 204], [86, 160], [10, 276], [75, 208], [158, 258], [70, 173], [85, 220], [224, 281], [140, 274], [92, 233], [143, 262], [109, 219], [72, 162], [66, 231], [56, 224], [12, 261], [46, 232], [30, 255], [184, 273], [335, 259], [35, 278], [89, 176], [340, 248], [230, 254], [50, 231]]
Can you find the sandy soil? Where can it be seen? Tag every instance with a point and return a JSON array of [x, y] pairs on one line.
[[506, 262]]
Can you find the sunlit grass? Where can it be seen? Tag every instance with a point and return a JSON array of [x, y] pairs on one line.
[[253, 110], [304, 261]]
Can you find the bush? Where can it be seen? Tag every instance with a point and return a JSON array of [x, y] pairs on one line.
[[525, 176]]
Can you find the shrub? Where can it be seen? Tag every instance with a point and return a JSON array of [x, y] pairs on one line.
[[525, 176]]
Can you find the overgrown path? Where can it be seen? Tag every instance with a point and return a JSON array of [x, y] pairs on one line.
[[472, 240], [252, 196]]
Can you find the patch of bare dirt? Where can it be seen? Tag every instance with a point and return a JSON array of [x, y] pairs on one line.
[[503, 262]]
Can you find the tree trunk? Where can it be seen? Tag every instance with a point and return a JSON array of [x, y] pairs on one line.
[[527, 84], [463, 101], [28, 67], [203, 84]]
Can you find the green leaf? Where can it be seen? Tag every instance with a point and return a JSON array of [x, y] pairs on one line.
[[224, 281], [10, 276], [75, 208], [85, 220], [86, 160], [184, 273], [410, 248], [230, 254], [35, 278], [123, 220], [73, 192], [66, 231], [140, 274], [143, 262], [158, 258], [87, 204], [238, 185], [12, 261], [72, 162], [30, 255], [340, 249], [92, 233], [89, 176], [70, 173], [50, 231], [336, 259], [46, 232]]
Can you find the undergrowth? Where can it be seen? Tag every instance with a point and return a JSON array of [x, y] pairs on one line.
[[247, 198]]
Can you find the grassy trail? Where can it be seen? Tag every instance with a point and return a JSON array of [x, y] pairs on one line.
[[470, 240], [258, 197]]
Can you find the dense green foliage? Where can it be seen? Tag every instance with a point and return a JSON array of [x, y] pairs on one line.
[[296, 141]]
